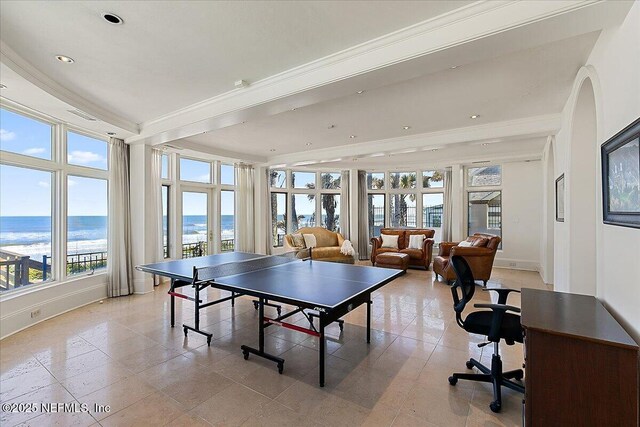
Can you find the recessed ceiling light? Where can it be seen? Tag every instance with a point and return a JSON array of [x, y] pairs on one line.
[[111, 133], [453, 67], [434, 149], [475, 116], [293, 109], [272, 150], [485, 143], [353, 136], [331, 126], [112, 18], [360, 92], [65, 59], [308, 144], [406, 127], [2, 86]]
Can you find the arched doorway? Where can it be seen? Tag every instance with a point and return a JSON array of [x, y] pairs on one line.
[[581, 206]]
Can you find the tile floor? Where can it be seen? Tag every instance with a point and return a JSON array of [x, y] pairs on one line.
[[122, 353]]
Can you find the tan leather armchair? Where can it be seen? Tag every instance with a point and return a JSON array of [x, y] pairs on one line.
[[480, 257], [328, 244], [417, 257]]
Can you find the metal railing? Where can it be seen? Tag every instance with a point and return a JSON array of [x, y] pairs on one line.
[[191, 250]]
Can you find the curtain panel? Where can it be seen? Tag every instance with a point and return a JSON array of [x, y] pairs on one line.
[[345, 202], [363, 217], [245, 241], [447, 208], [119, 251]]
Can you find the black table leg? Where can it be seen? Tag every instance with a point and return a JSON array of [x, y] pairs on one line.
[[173, 305], [369, 318], [196, 327], [321, 348], [260, 350]]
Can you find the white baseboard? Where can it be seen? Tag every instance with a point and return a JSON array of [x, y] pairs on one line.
[[17, 316], [517, 264]]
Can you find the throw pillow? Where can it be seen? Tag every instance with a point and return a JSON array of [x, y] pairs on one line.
[[416, 240], [298, 240], [465, 244], [309, 240], [389, 241]]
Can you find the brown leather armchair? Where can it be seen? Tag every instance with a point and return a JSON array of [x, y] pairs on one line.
[[417, 257], [479, 256]]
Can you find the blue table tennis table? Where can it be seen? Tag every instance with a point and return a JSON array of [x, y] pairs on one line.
[[320, 289]]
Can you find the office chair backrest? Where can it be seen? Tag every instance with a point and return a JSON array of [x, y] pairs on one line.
[[464, 286]]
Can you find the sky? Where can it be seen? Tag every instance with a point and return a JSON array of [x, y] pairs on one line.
[[27, 192]]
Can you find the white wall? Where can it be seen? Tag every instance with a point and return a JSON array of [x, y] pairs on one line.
[[521, 215], [613, 68]]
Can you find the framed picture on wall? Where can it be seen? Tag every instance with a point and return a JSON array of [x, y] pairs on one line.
[[621, 177], [560, 198]]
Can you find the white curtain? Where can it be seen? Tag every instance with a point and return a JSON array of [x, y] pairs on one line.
[[119, 260], [156, 182], [245, 241], [447, 214], [363, 217], [266, 195], [344, 204]]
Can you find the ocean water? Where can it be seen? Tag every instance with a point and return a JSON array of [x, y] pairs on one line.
[[31, 235]]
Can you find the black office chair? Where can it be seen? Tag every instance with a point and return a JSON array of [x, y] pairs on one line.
[[495, 323]]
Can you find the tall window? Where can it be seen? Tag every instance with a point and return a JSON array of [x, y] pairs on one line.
[[32, 249], [484, 211], [25, 226], [278, 217], [376, 214], [227, 220], [303, 211], [402, 201], [195, 171], [165, 167], [165, 220], [433, 201]]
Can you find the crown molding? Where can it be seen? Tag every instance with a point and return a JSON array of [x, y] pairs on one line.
[[472, 22], [28, 72]]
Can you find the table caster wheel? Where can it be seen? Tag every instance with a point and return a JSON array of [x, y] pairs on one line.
[[209, 341], [495, 406], [453, 380], [246, 355], [279, 310], [280, 368], [469, 364], [255, 305], [341, 326], [186, 331]]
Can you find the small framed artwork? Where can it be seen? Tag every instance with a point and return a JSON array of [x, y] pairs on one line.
[[621, 177], [560, 198]]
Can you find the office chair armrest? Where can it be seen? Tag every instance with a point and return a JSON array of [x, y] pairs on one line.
[[503, 293], [499, 307]]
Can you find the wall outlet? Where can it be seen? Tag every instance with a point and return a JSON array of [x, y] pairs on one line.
[[35, 313], [512, 264]]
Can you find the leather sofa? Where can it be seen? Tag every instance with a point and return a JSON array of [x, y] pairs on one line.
[[479, 256], [328, 244], [417, 257]]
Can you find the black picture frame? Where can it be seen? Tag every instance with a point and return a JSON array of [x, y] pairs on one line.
[[620, 189], [560, 198]]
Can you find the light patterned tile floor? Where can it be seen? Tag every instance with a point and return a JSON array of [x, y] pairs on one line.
[[124, 354]]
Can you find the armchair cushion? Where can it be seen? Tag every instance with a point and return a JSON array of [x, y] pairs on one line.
[[297, 240], [310, 240], [413, 253], [415, 241], [390, 241], [465, 244]]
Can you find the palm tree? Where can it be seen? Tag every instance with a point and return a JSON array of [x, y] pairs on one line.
[[405, 181], [329, 203], [427, 180]]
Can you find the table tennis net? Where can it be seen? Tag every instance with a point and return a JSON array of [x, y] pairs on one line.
[[212, 273]]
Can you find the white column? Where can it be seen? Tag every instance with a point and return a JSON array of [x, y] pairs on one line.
[[457, 203], [548, 212], [143, 231], [353, 209], [260, 205]]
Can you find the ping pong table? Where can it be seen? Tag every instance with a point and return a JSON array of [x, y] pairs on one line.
[[325, 290]]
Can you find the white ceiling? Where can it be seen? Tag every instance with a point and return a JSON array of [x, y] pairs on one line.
[[167, 74], [169, 55]]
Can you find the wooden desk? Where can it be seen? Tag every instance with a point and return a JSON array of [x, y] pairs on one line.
[[581, 366]]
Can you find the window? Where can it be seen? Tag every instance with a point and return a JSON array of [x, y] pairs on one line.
[[330, 211], [86, 151], [165, 167], [227, 220], [195, 223], [278, 217], [432, 207], [330, 181], [402, 210], [24, 135], [165, 220], [278, 179], [35, 248], [432, 179], [25, 227], [484, 176], [195, 171], [303, 211], [86, 224], [402, 180], [485, 212], [375, 181], [376, 214], [227, 175], [303, 180]]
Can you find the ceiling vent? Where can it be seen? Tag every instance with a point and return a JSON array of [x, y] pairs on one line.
[[483, 161], [83, 115]]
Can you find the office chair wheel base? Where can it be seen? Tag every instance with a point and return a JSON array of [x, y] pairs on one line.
[[453, 380], [495, 406], [469, 364]]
